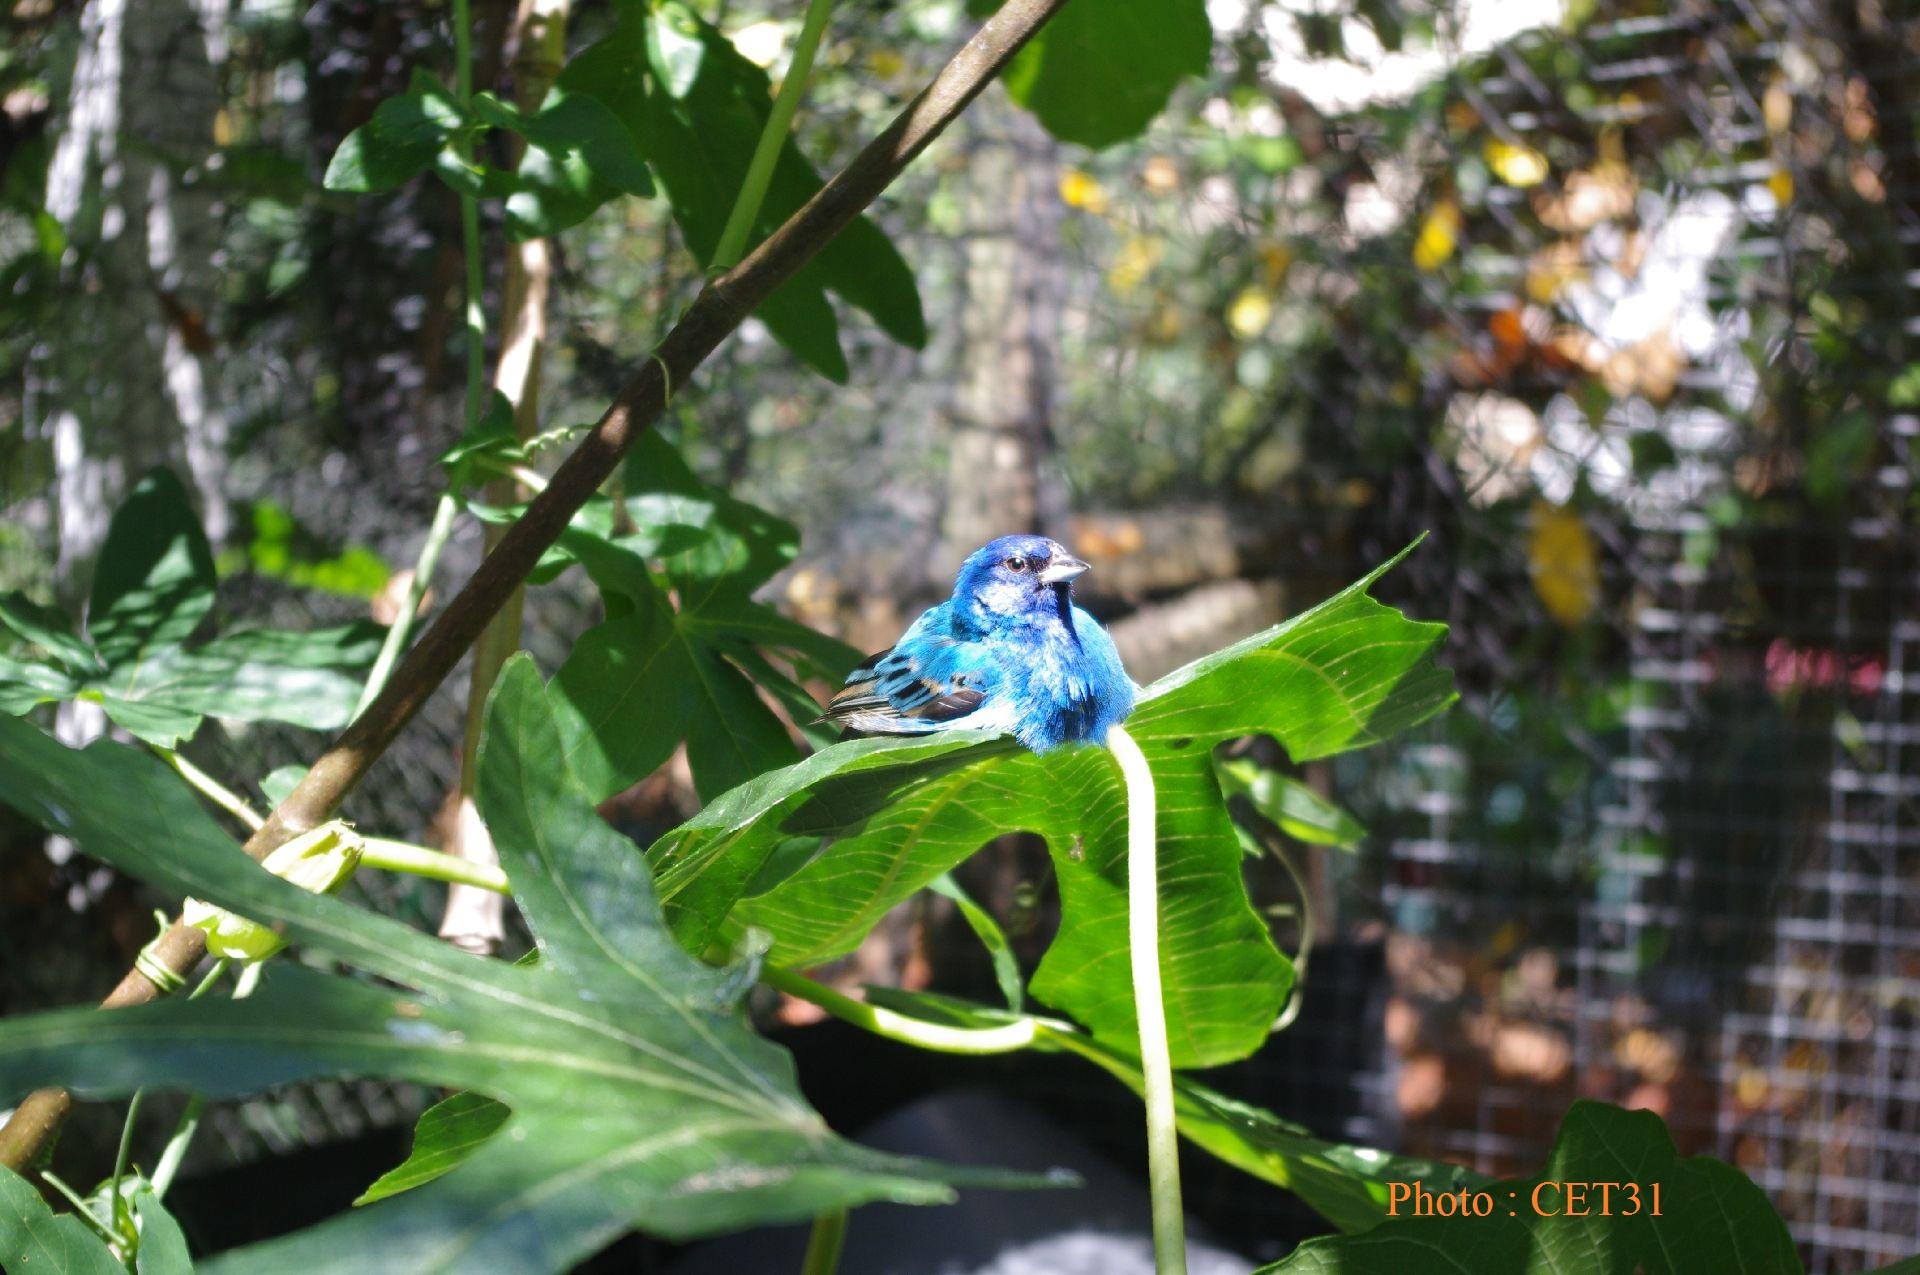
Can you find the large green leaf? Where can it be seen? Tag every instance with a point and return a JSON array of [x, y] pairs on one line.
[[638, 1094], [1097, 73], [1710, 1216], [696, 108], [152, 589], [817, 853]]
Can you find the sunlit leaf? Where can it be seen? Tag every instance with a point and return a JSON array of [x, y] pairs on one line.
[[405, 135], [1097, 74], [1295, 809]]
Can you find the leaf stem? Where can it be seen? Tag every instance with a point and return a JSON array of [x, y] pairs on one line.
[[418, 861], [215, 791], [894, 1026], [824, 1242], [766, 153], [1156, 1067]]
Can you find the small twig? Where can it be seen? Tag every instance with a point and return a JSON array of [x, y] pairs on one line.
[[1156, 1068], [721, 307]]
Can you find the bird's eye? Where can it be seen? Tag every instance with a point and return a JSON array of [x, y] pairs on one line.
[[1016, 563]]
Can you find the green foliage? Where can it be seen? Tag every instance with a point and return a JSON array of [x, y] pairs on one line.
[[815, 854], [1097, 74], [1711, 1217], [638, 1094], [1294, 808], [152, 591], [447, 1134], [36, 1241], [696, 107], [403, 139], [684, 646]]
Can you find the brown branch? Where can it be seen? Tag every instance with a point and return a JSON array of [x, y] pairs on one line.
[[720, 308]]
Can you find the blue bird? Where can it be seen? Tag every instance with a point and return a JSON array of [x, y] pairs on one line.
[[1008, 652]]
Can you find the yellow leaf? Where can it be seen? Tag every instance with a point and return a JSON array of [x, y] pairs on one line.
[[1133, 263], [1275, 260], [1563, 563], [1079, 189], [1248, 313], [1516, 164], [1439, 235], [885, 63], [1781, 184]]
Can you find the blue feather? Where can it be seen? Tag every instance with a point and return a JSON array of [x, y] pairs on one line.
[[1008, 652]]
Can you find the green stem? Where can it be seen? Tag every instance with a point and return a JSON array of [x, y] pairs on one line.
[[476, 322], [122, 1216], [215, 791], [80, 1208], [377, 852], [176, 1148], [766, 153], [908, 1031], [824, 1242], [398, 856], [1156, 1067]]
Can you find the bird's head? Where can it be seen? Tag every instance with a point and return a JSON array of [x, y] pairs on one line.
[[1018, 576]]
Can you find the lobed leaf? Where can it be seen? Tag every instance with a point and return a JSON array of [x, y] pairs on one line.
[[638, 1094]]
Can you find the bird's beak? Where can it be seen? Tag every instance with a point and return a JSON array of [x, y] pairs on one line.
[[1062, 569]]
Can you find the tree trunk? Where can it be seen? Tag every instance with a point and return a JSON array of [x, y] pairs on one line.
[[1002, 430]]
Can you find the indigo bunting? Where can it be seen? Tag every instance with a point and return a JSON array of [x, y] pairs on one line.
[[1008, 652]]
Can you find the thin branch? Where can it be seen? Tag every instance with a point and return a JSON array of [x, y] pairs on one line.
[[474, 918], [720, 308]]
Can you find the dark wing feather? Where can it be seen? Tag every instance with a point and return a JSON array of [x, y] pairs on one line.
[[887, 694]]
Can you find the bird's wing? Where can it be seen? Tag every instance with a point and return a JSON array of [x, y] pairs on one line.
[[920, 684]]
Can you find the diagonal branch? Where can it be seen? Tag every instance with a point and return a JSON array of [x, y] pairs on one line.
[[720, 308]]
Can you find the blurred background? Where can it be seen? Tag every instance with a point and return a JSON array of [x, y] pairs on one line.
[[1613, 301]]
